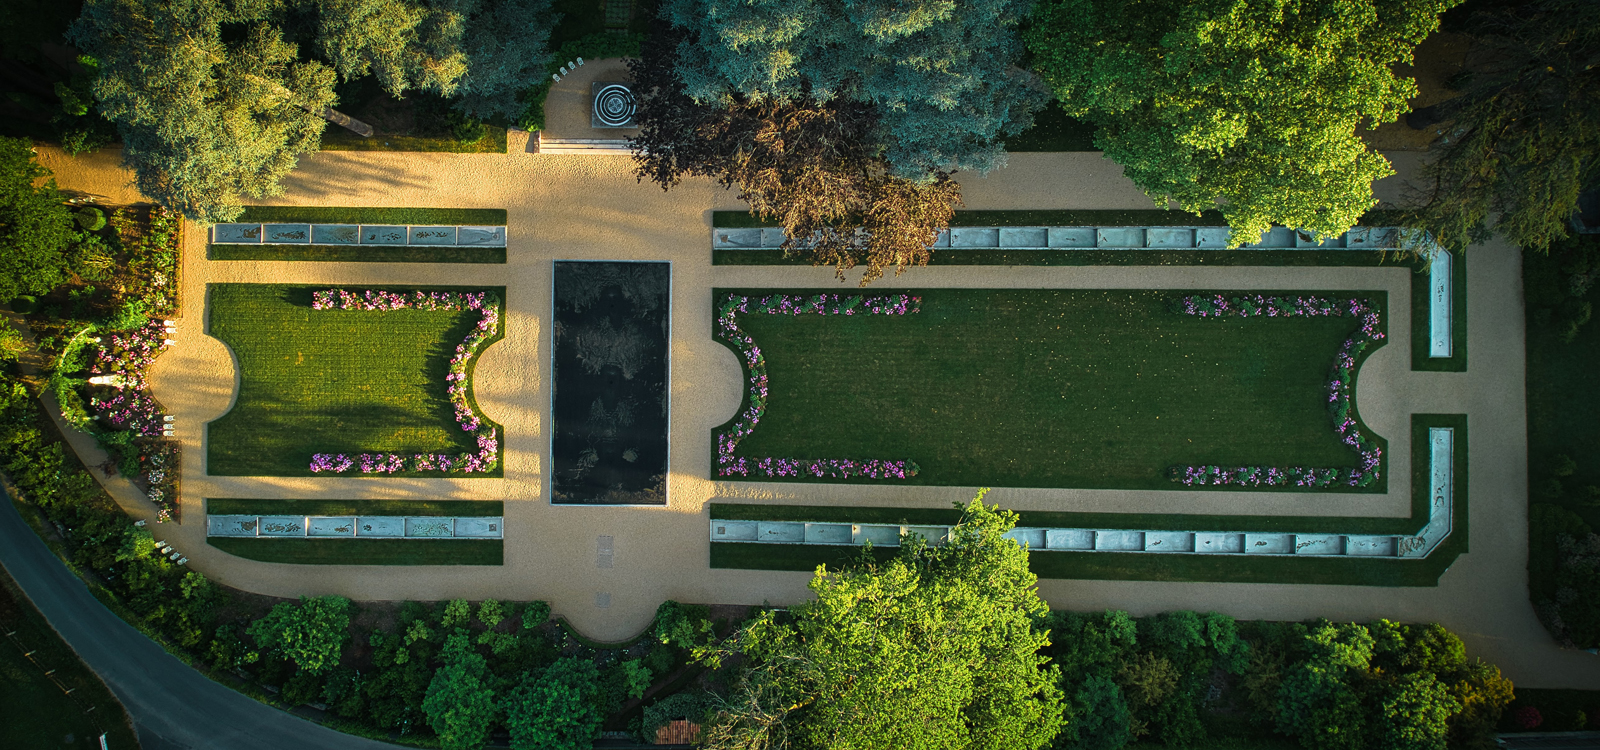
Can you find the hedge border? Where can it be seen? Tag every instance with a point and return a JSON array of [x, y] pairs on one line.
[[357, 254], [365, 551], [372, 215], [1152, 567], [230, 506]]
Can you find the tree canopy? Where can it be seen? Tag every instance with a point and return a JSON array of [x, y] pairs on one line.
[[460, 703], [1254, 103], [311, 633], [936, 647], [1524, 137], [556, 708], [36, 229], [215, 101]]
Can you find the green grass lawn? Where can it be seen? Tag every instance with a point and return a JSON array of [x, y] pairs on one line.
[[365, 551], [1050, 388], [227, 506], [34, 712], [330, 381], [373, 215]]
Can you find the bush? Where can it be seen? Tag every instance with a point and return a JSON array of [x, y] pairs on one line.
[[25, 305], [90, 219], [692, 705]]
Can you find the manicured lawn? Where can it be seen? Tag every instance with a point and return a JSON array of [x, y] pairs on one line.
[[365, 551], [1153, 567], [347, 254], [224, 506], [34, 712], [368, 215], [1050, 388], [331, 381]]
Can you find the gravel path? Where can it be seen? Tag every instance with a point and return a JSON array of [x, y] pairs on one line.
[[572, 207]]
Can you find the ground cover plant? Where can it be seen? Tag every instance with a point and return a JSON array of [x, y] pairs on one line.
[[609, 395], [1563, 351], [1103, 389], [37, 667], [384, 390]]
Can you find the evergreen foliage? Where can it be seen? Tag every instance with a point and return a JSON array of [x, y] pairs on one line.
[[311, 634], [1253, 102], [459, 705], [556, 708], [36, 229], [937, 647], [1524, 137]]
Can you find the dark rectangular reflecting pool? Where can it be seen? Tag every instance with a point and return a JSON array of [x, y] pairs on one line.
[[609, 392]]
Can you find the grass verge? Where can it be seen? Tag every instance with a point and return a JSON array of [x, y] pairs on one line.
[[226, 506], [332, 381], [34, 710], [348, 254], [1102, 389], [337, 138], [365, 551], [369, 215], [1151, 567]]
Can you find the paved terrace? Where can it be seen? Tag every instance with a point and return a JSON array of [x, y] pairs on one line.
[[591, 207]]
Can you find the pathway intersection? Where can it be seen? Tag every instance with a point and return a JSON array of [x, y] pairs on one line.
[[592, 208]]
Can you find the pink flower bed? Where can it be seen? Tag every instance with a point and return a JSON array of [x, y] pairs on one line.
[[127, 354], [1340, 386], [728, 329], [488, 454]]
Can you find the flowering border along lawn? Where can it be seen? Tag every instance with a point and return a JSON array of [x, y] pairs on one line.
[[1093, 389], [363, 382]]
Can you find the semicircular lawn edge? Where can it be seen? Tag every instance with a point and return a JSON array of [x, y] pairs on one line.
[[1052, 388], [312, 382]]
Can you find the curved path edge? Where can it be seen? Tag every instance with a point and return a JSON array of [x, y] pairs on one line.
[[172, 704]]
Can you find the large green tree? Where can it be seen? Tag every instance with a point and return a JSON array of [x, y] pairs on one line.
[[460, 703], [1254, 103], [35, 227], [205, 121], [556, 708], [940, 73], [936, 647], [1523, 139], [311, 633]]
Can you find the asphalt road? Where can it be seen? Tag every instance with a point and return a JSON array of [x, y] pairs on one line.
[[173, 706]]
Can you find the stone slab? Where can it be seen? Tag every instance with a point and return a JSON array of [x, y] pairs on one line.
[[1268, 544], [481, 236], [283, 526], [1033, 538], [430, 527], [1168, 541], [1441, 303], [233, 234], [1180, 237], [480, 527], [331, 526], [231, 525], [780, 531], [1024, 237], [286, 234], [735, 238], [1068, 237], [336, 234], [432, 236], [1119, 540], [880, 536], [1276, 237], [1212, 237], [381, 526], [1069, 539], [1319, 544], [1369, 546], [1119, 237], [974, 237], [733, 531], [829, 533], [1211, 541], [773, 236], [383, 234], [934, 534]]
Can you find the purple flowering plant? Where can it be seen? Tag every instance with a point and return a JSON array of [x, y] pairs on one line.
[[487, 305], [1340, 387], [728, 330]]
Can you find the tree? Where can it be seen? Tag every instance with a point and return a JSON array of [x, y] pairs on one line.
[[812, 167], [311, 634], [1414, 713], [35, 226], [507, 50], [1318, 701], [555, 709], [938, 73], [1524, 138], [459, 704], [1251, 102], [936, 647], [205, 122], [1098, 718]]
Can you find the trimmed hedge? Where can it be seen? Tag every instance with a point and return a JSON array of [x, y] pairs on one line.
[[224, 506], [372, 215], [365, 551]]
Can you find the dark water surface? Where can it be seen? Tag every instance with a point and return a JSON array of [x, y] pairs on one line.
[[610, 383]]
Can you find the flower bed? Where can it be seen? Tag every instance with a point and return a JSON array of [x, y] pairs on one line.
[[1340, 388], [124, 361], [792, 304], [488, 453]]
